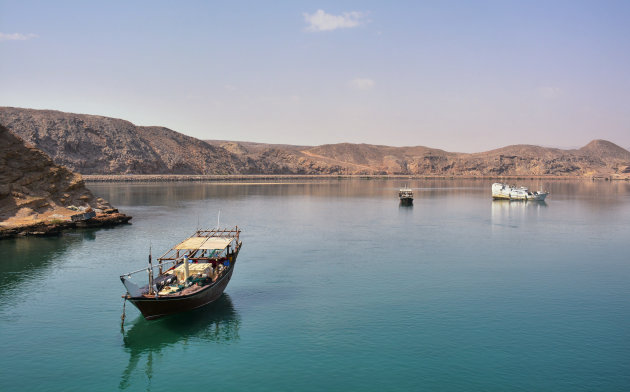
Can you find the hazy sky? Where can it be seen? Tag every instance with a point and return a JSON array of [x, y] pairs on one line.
[[457, 75]]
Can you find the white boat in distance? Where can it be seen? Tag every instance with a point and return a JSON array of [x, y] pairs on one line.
[[405, 194], [511, 192]]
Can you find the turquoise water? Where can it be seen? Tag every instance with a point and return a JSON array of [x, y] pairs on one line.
[[337, 288]]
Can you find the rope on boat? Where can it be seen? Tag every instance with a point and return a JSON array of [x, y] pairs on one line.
[[122, 316]]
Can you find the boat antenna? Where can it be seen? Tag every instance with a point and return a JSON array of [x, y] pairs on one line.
[[219, 220], [150, 271]]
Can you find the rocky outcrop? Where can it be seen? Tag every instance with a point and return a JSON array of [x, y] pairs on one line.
[[101, 145], [39, 197]]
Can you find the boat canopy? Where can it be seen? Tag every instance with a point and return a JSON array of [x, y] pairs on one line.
[[202, 240], [207, 243]]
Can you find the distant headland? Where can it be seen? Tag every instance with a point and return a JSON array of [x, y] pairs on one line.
[[103, 147]]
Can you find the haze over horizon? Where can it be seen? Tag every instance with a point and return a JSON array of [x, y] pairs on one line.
[[458, 76]]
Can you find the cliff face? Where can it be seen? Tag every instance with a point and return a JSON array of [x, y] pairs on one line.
[[101, 145], [34, 190]]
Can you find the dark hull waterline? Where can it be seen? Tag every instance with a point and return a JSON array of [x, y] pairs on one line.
[[152, 308], [406, 201]]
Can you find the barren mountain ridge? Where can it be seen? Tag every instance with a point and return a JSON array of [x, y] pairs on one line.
[[91, 144]]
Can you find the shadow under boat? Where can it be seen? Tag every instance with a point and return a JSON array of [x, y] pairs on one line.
[[216, 322]]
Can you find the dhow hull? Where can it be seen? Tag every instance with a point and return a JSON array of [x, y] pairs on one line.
[[153, 308]]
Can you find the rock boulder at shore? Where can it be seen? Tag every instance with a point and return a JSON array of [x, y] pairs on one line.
[[38, 197]]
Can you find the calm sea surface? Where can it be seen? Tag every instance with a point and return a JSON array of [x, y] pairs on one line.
[[337, 288]]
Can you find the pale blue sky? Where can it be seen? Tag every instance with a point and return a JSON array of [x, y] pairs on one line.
[[457, 75]]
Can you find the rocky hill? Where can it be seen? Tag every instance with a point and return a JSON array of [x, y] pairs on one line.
[[101, 145], [598, 158], [36, 194]]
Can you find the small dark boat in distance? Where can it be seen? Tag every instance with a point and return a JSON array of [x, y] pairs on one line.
[[405, 194], [191, 274]]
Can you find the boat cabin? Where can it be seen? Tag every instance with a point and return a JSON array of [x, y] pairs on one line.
[[199, 261]]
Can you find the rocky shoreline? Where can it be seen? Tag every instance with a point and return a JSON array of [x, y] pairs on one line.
[[52, 228], [259, 177]]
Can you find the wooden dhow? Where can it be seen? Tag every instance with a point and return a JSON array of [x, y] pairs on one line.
[[191, 274]]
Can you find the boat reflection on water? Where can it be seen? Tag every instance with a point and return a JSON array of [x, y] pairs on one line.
[[217, 322], [511, 213]]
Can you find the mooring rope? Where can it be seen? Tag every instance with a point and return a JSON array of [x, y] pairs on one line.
[[122, 316]]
